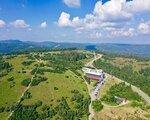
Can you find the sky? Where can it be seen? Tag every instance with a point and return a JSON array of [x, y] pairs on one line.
[[79, 21]]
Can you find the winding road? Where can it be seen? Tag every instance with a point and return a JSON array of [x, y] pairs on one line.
[[134, 88], [90, 64]]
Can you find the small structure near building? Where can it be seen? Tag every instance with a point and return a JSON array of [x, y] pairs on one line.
[[120, 100]]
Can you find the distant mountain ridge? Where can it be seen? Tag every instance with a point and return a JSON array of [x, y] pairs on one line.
[[9, 46]]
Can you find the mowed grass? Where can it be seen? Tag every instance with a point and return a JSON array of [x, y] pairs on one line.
[[10, 95], [64, 82]]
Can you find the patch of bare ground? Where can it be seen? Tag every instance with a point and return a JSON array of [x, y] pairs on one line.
[[122, 113]]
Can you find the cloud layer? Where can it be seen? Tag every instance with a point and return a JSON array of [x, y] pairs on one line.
[[114, 16]]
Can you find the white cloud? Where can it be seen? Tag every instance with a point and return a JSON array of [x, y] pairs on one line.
[[19, 24], [114, 17], [2, 23], [111, 11], [138, 6], [103, 15], [96, 35], [123, 32], [43, 24], [29, 29], [64, 20], [72, 3], [144, 27]]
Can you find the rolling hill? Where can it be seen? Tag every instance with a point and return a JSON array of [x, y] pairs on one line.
[[9, 46]]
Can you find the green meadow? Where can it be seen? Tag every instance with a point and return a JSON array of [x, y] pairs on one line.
[[63, 84]]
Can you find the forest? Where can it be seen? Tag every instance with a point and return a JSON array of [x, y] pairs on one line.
[[139, 78], [121, 91]]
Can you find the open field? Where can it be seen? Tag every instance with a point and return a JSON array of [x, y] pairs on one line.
[[137, 65], [59, 83], [124, 111], [11, 94], [64, 84]]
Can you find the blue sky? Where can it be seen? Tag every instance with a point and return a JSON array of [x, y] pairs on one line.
[[87, 21]]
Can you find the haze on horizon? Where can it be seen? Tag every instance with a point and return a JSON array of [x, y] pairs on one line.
[[80, 21]]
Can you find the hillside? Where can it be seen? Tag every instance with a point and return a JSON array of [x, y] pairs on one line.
[[43, 86], [9, 46], [50, 85]]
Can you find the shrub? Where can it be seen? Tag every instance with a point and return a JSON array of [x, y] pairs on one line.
[[97, 105], [2, 109], [55, 88], [37, 80], [10, 79], [27, 95], [26, 82]]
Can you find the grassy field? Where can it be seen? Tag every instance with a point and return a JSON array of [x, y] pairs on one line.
[[127, 111], [64, 82], [137, 65], [11, 94], [50, 92], [122, 113]]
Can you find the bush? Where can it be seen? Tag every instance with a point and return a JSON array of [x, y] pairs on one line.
[[37, 80], [55, 88], [10, 79], [27, 95], [97, 105], [120, 90], [26, 63], [38, 103], [2, 109], [26, 82], [87, 79], [140, 105]]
